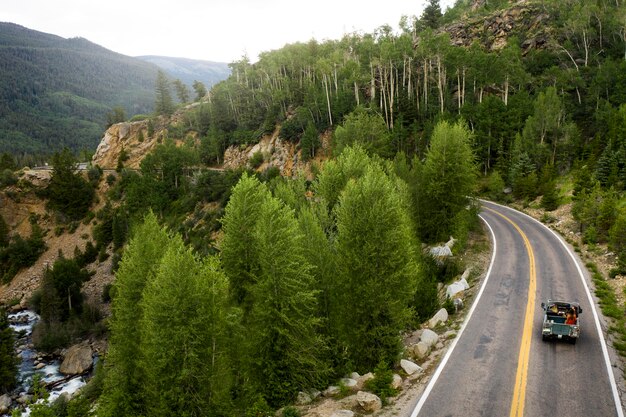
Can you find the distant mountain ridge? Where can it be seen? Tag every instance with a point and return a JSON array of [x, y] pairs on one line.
[[56, 92], [189, 70]]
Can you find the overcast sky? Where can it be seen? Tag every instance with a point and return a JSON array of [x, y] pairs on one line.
[[214, 30]]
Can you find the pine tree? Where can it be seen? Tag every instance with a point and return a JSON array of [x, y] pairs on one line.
[[183, 336], [377, 268], [239, 248], [164, 104], [68, 192], [124, 377], [182, 92], [200, 90], [448, 178], [432, 14], [284, 341]]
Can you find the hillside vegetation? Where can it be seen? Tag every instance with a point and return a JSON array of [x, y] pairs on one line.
[[57, 92], [289, 283]]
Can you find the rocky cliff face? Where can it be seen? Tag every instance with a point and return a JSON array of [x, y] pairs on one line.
[[138, 139], [522, 19]]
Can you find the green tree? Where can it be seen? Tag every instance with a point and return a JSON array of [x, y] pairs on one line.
[[284, 344], [200, 90], [310, 141], [164, 105], [240, 259], [68, 192], [8, 360], [182, 91], [617, 238], [365, 128], [4, 232], [123, 384], [432, 14], [377, 268], [448, 181], [65, 278], [184, 336]]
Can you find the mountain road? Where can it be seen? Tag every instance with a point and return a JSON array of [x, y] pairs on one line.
[[498, 365]]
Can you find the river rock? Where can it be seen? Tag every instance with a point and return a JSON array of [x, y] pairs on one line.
[[410, 367], [40, 365], [429, 337], [78, 360], [368, 401], [24, 399], [5, 403]]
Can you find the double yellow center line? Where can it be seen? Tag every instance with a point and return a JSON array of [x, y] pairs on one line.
[[519, 392]]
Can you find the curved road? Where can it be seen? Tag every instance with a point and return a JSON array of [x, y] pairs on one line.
[[498, 365]]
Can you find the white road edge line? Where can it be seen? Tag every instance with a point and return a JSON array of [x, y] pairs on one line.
[[605, 351], [439, 370]]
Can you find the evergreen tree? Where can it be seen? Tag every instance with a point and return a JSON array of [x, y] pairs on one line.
[[285, 346], [200, 90], [240, 259], [183, 336], [123, 392], [432, 14], [8, 360], [182, 92], [116, 115], [309, 142], [68, 192], [377, 269], [448, 181], [4, 232], [164, 104]]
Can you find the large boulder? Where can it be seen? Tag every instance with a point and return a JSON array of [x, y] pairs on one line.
[[419, 350], [78, 360], [5, 403], [368, 401], [410, 367], [440, 317], [429, 337], [457, 287]]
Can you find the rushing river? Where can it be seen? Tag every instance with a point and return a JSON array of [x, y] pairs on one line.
[[32, 362]]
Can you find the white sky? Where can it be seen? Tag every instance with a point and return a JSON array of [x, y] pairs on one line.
[[214, 30]]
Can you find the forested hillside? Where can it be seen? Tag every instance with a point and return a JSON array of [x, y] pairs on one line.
[[289, 283], [57, 92]]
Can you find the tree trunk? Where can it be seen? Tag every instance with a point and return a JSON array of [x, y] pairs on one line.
[[330, 116]]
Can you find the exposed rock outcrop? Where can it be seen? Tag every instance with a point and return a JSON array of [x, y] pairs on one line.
[[494, 30]]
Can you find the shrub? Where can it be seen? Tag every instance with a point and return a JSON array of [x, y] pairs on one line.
[[256, 160], [381, 383]]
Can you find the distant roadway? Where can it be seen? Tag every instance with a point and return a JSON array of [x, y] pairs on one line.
[[498, 365]]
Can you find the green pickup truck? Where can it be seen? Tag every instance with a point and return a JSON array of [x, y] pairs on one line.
[[560, 320]]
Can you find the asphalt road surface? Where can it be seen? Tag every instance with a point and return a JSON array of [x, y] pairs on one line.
[[499, 366]]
